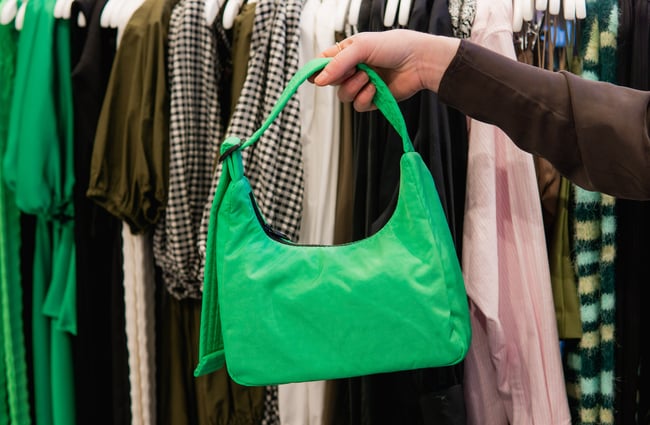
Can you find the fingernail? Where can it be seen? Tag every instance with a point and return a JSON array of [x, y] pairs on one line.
[[320, 78]]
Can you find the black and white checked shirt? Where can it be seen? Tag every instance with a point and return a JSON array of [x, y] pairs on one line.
[[195, 132], [274, 164]]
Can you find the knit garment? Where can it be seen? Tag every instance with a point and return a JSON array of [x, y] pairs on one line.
[[14, 407], [139, 302], [590, 363]]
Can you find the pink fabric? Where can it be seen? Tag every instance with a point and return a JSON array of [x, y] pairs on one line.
[[513, 371]]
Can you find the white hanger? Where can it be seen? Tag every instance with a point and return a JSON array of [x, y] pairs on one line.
[[528, 10], [58, 8], [541, 5], [342, 7], [114, 19], [62, 9], [517, 15], [212, 10], [554, 7], [230, 12], [122, 15], [105, 17], [20, 16], [581, 9], [8, 12], [390, 12], [404, 12], [569, 10], [67, 11], [353, 15]]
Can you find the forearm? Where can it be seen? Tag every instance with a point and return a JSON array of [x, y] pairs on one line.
[[596, 134]]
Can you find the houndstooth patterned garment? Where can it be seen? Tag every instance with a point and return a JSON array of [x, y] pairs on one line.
[[274, 164], [462, 17], [195, 130]]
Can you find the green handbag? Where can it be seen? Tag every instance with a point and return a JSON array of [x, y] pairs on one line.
[[278, 312]]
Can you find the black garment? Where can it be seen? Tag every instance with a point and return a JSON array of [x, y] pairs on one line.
[[102, 393], [27, 248], [439, 134], [633, 250]]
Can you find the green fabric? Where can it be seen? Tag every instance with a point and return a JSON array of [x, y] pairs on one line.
[[277, 312], [563, 277], [38, 166], [591, 363], [13, 344], [4, 396]]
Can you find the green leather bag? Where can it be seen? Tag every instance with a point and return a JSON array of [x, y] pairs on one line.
[[277, 312]]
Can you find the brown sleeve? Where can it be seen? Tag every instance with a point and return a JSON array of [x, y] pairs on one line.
[[594, 133]]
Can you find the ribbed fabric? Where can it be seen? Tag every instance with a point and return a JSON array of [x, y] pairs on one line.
[[590, 364], [139, 285], [513, 371], [139, 306], [14, 385]]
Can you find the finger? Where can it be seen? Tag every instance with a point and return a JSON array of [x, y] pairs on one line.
[[352, 52], [363, 101], [351, 87], [349, 73], [331, 51]]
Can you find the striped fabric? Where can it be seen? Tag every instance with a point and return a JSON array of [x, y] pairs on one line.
[[590, 363]]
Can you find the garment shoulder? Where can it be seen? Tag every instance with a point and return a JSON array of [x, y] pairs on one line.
[[130, 156]]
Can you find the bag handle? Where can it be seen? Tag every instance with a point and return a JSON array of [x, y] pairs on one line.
[[383, 99]]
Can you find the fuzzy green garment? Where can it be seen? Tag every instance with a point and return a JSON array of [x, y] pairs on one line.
[[590, 363], [14, 395]]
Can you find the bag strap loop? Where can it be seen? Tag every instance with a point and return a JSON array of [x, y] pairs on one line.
[[383, 99]]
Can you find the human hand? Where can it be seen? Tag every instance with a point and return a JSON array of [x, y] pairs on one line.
[[408, 61]]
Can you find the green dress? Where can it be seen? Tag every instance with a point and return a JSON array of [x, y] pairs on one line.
[[14, 396], [38, 166]]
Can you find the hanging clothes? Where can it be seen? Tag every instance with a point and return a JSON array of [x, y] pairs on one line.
[[320, 124], [14, 407], [428, 396], [303, 403], [513, 370], [242, 32], [590, 364], [38, 166], [632, 398], [195, 131], [96, 235], [129, 171], [563, 278], [129, 177], [274, 164], [139, 303], [196, 79], [462, 17], [184, 399]]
